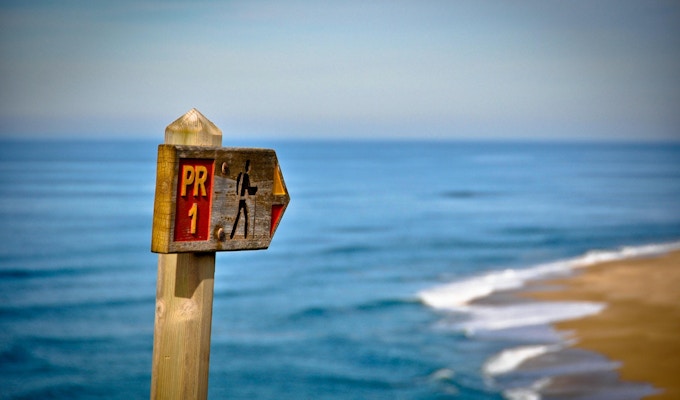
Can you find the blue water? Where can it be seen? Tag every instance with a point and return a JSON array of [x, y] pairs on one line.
[[332, 309]]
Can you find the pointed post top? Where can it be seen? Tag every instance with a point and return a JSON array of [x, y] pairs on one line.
[[193, 128]]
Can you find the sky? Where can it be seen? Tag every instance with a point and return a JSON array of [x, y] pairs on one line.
[[483, 69]]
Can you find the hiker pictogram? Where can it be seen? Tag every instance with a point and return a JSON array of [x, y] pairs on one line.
[[244, 190]]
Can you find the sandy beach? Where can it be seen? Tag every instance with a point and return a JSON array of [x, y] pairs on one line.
[[640, 327]]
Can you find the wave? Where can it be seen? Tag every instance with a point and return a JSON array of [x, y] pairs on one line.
[[627, 252], [530, 393], [464, 194], [349, 250], [509, 359], [49, 307], [378, 305], [522, 317], [483, 318], [458, 294], [18, 273]]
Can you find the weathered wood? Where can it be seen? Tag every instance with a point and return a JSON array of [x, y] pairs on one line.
[[230, 216], [184, 294]]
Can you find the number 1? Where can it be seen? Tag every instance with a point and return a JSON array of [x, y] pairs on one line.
[[193, 214]]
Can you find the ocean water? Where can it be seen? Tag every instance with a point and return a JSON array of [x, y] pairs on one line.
[[379, 283]]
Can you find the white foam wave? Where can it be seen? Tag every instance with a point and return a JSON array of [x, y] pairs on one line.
[[455, 295], [530, 393], [509, 359], [444, 374], [486, 318], [459, 293], [599, 256], [521, 394]]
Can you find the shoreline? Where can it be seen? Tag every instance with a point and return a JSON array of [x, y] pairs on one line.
[[639, 328]]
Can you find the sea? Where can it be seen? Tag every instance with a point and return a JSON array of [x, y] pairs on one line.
[[388, 276]]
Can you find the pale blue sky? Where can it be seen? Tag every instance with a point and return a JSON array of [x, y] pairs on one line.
[[433, 69]]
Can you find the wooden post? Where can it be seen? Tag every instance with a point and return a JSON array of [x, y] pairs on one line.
[[184, 296]]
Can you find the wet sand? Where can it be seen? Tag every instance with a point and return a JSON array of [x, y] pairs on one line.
[[640, 328]]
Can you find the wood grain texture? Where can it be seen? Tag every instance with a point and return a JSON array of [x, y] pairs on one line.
[[184, 294], [164, 205], [184, 297]]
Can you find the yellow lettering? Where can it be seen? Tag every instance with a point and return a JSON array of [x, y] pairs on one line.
[[201, 176], [187, 178], [193, 214]]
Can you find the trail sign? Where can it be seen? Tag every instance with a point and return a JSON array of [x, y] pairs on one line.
[[216, 199], [208, 199]]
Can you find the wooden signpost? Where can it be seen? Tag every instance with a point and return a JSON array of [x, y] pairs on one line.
[[216, 199], [208, 199]]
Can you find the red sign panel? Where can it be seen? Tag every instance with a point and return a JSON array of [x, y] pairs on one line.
[[194, 198]]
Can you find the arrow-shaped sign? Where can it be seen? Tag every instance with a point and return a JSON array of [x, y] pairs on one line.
[[216, 199]]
